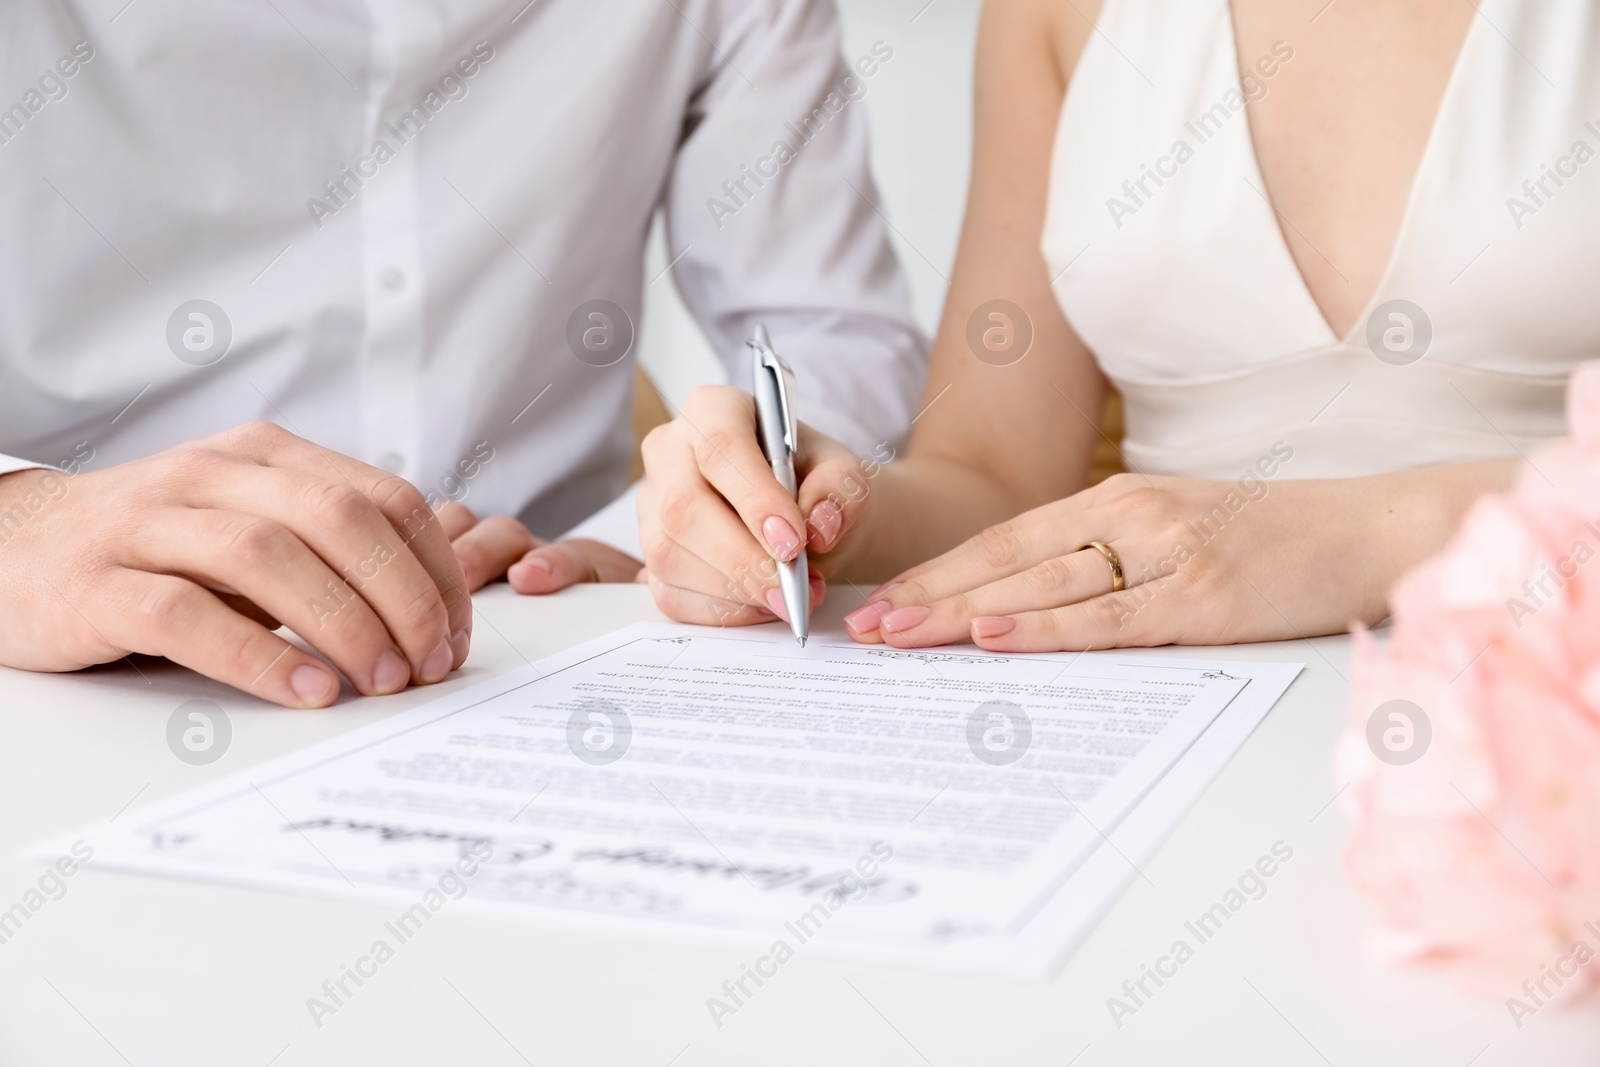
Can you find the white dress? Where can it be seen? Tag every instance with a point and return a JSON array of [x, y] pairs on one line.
[[1173, 270]]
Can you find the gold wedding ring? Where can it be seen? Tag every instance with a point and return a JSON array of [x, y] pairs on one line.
[[1118, 582]]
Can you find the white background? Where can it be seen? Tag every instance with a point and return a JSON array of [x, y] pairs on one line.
[[920, 109]]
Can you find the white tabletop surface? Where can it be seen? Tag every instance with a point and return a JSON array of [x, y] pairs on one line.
[[125, 969]]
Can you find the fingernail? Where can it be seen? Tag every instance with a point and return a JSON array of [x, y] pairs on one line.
[[992, 625], [826, 519], [781, 538], [878, 593], [774, 600], [819, 591], [525, 577], [391, 674], [312, 685], [864, 620], [536, 573], [437, 665], [460, 644], [901, 619]]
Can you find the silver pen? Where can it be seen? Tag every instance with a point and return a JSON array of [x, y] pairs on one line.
[[779, 433]]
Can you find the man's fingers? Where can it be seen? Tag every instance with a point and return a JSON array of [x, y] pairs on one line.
[[550, 568], [408, 514], [414, 521], [274, 569], [456, 518], [249, 609], [489, 548], [721, 433], [389, 557], [163, 615], [611, 564]]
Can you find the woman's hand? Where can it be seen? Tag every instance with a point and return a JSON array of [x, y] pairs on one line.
[[501, 547], [1205, 562], [713, 520]]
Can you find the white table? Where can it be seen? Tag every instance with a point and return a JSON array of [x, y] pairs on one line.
[[155, 973]]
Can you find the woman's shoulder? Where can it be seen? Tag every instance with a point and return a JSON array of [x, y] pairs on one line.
[[1010, 26]]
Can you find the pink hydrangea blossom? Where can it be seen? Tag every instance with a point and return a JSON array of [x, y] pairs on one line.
[[1483, 854]]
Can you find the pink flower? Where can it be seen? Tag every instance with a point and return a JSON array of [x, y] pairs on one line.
[[1483, 852]]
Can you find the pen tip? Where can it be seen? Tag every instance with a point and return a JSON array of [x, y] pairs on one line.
[[802, 641]]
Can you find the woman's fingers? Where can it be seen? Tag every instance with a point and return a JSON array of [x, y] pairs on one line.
[[1116, 620], [718, 426], [833, 490], [863, 624], [684, 519], [1001, 551], [686, 587], [170, 616], [270, 566], [688, 605], [1053, 583], [678, 566], [818, 593], [714, 521]]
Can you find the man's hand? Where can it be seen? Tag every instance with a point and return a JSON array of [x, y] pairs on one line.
[[501, 547], [199, 552]]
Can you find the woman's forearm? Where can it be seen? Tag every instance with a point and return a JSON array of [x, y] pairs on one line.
[[921, 506], [1419, 510]]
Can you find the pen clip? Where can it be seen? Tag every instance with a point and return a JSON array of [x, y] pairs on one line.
[[783, 379]]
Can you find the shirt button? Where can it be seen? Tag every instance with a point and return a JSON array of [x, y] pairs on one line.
[[393, 462], [393, 279]]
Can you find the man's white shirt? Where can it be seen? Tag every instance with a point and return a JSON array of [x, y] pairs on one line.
[[414, 232]]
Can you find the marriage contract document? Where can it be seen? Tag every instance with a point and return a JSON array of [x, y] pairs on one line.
[[945, 808]]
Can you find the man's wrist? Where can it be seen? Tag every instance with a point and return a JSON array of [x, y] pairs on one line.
[[614, 527], [606, 563]]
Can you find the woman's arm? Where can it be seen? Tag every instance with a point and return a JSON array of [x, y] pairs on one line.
[[1206, 562], [995, 440], [990, 441]]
